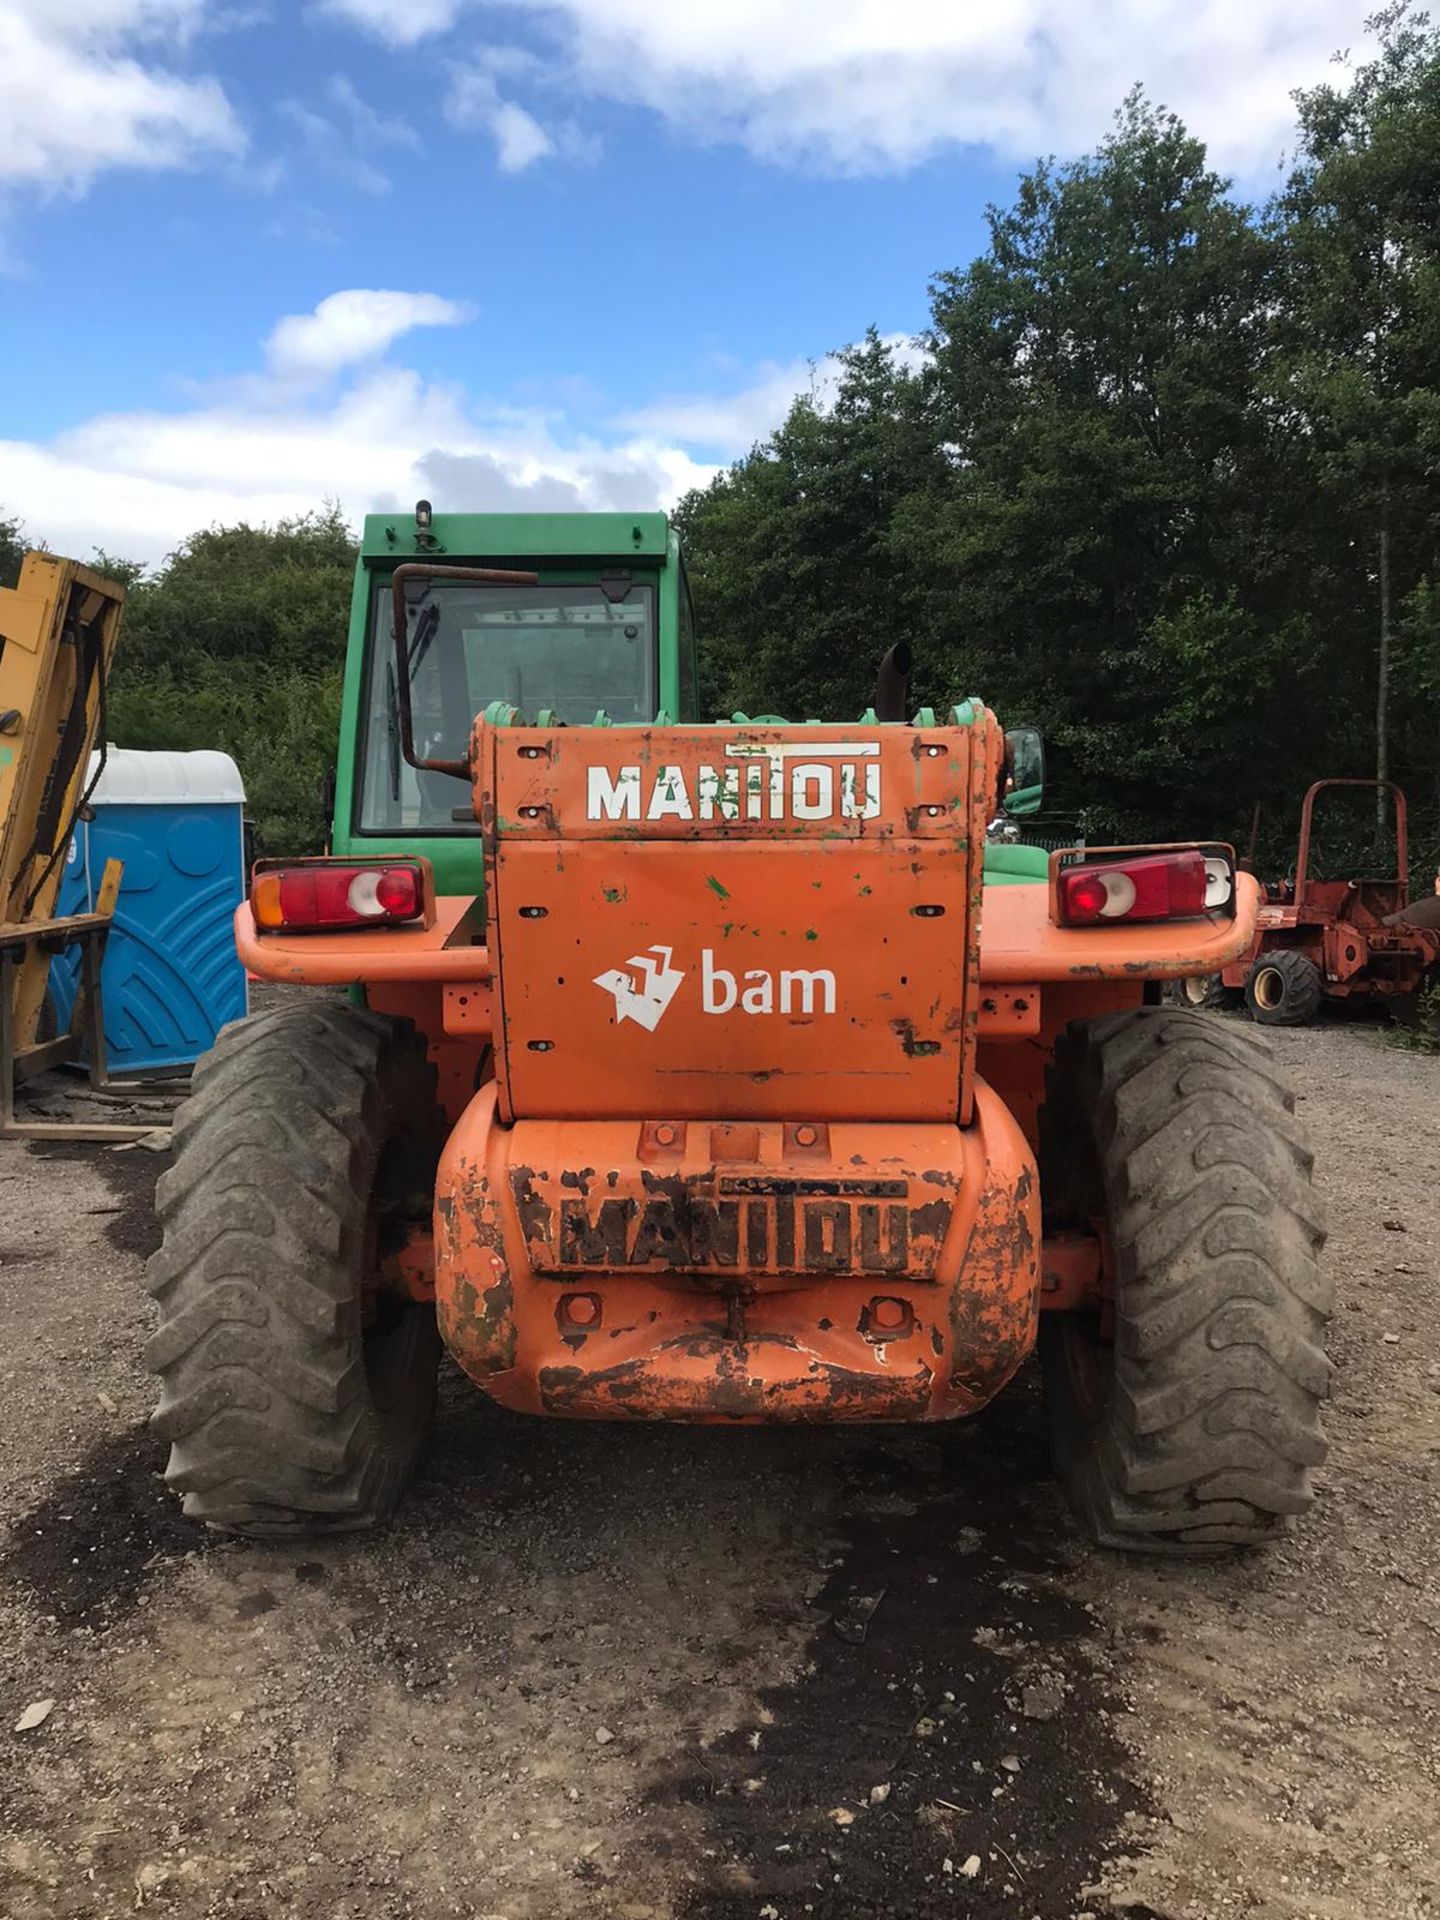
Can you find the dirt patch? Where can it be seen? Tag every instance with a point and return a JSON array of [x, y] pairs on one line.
[[975, 1761], [591, 1671], [128, 1219], [86, 1551]]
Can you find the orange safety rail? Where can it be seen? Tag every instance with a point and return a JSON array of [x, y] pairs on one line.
[[1020, 942], [450, 949]]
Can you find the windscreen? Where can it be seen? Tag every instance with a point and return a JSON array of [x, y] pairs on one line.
[[564, 650]]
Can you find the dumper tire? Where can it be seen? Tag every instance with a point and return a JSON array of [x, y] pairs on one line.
[[294, 1403], [1202, 990], [1284, 989], [1194, 1427]]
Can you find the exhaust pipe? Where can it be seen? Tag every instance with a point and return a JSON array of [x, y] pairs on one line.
[[891, 699]]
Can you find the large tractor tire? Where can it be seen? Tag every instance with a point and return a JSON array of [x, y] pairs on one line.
[[1284, 989], [295, 1398], [1185, 1417]]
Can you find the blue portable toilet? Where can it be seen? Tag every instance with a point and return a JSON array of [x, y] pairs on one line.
[[172, 977]]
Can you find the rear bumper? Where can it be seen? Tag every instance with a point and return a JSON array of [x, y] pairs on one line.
[[897, 1279]]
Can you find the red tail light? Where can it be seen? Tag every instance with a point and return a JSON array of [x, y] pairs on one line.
[[1178, 884], [319, 896]]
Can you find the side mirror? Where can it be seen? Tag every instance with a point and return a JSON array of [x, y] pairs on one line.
[[1024, 788]]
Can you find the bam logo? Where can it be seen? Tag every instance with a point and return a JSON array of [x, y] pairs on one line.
[[801, 989], [644, 995], [838, 780], [644, 999]]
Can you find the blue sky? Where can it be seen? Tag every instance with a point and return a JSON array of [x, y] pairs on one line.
[[558, 252]]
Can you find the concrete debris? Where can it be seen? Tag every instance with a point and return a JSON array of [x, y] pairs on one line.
[[851, 1619], [1042, 1699]]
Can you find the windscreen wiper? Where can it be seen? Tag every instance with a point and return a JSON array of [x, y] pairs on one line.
[[392, 725], [426, 627]]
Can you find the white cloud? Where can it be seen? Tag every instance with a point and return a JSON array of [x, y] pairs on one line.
[[378, 438], [400, 23], [77, 98], [520, 139], [473, 102], [359, 324], [367, 126], [879, 85], [137, 483], [329, 148], [885, 83], [727, 425], [340, 144]]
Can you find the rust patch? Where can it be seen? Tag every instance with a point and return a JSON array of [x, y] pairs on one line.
[[930, 1221], [733, 1384], [914, 1048], [533, 1209], [994, 1307]]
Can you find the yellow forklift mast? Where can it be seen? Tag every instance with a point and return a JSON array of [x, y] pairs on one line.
[[58, 632]]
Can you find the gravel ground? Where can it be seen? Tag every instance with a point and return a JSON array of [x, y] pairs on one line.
[[597, 1672]]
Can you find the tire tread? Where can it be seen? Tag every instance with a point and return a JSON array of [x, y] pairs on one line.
[[1213, 1421], [264, 1394]]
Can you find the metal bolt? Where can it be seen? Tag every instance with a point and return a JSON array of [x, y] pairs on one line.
[[580, 1309]]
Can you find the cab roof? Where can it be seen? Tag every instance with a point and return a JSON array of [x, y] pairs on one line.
[[513, 538]]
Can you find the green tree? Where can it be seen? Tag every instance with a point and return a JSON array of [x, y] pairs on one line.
[[238, 642], [1139, 489], [1358, 377], [129, 573], [14, 545], [799, 586], [273, 595], [1102, 561]]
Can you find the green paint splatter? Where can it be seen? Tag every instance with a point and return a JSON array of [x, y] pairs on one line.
[[716, 888], [614, 895], [811, 934]]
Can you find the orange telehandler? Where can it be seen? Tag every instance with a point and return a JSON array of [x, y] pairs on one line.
[[719, 1081]]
